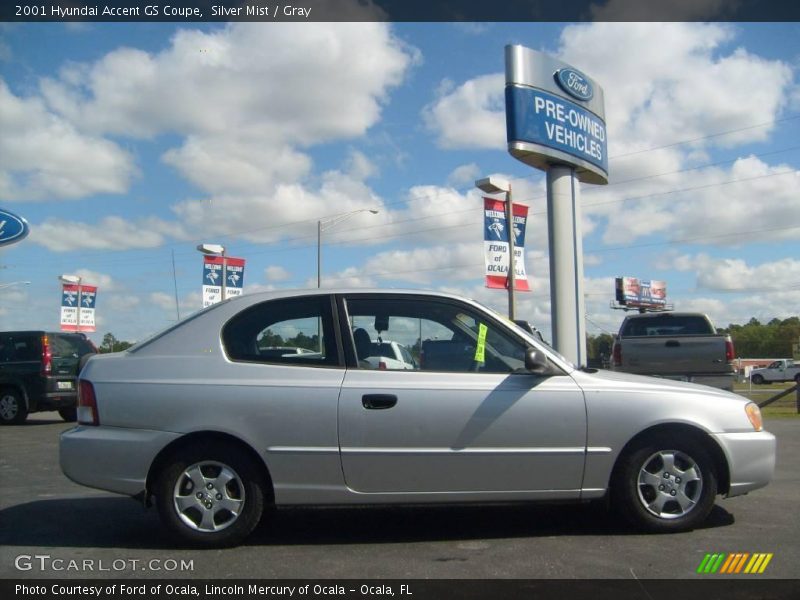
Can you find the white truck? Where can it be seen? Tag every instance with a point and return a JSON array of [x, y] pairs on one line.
[[783, 369]]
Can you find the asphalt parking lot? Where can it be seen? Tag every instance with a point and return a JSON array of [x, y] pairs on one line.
[[43, 514]]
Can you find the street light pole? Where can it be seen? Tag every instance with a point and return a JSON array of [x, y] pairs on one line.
[[319, 254], [512, 267], [327, 223], [224, 275]]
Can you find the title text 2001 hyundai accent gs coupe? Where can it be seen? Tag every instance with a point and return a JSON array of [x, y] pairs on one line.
[[274, 399]]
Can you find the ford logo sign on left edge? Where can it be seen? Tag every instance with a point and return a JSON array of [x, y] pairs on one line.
[[574, 83], [12, 228]]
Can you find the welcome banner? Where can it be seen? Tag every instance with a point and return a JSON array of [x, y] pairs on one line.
[[212, 278], [496, 246]]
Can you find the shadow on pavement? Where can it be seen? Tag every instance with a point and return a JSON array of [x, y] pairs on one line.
[[118, 522]]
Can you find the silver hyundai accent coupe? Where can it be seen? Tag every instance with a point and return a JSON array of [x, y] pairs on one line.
[[212, 424]]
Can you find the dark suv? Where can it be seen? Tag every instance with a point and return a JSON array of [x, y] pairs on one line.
[[38, 371]]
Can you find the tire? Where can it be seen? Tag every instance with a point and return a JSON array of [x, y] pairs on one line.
[[758, 379], [70, 415], [233, 495], [665, 484], [13, 409], [797, 379]]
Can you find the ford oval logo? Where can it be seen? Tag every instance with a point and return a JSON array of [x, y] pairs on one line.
[[12, 228], [574, 83]]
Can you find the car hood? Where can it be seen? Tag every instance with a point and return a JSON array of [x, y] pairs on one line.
[[601, 380]]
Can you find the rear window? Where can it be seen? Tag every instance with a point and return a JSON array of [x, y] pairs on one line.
[[69, 346], [668, 324]]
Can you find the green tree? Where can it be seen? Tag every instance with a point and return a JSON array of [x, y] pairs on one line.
[[112, 344]]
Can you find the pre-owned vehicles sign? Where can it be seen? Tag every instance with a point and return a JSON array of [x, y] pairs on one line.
[[555, 115]]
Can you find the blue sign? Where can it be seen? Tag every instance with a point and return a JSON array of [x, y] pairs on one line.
[[574, 83], [537, 117], [88, 299], [69, 296], [12, 228]]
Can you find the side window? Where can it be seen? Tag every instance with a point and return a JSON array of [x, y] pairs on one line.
[[297, 331], [430, 336], [25, 349]]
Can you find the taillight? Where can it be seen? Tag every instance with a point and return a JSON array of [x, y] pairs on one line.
[[730, 354], [382, 365], [87, 404], [47, 356], [617, 352]]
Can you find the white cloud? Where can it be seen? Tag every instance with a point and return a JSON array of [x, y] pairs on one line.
[[104, 282], [464, 175], [44, 157], [111, 233], [470, 116], [276, 273], [118, 303], [735, 274], [162, 300]]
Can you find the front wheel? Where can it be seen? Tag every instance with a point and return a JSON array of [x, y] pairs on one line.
[[663, 485], [211, 496], [758, 379]]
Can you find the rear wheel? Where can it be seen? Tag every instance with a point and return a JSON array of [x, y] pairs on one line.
[[797, 378], [211, 496], [665, 485], [13, 409], [68, 414]]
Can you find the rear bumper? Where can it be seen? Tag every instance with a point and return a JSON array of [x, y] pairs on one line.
[[751, 459], [111, 458]]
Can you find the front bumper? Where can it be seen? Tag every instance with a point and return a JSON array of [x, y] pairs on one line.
[[751, 459], [111, 458]]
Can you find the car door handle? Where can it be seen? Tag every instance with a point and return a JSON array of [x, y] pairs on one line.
[[673, 344], [378, 401]]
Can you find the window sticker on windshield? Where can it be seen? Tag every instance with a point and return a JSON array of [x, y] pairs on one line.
[[480, 349]]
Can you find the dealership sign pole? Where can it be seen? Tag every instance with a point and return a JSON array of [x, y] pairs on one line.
[[555, 121]]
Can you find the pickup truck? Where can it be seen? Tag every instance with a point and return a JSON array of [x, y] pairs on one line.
[[675, 345], [783, 369]]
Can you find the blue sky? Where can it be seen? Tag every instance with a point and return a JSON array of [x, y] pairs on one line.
[[123, 143]]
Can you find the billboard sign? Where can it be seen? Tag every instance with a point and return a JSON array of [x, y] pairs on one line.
[[213, 277], [641, 293], [496, 246], [555, 115], [12, 228]]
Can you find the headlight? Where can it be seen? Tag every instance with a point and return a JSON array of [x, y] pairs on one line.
[[754, 414]]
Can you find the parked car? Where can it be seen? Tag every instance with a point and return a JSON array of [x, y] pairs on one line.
[[384, 354], [38, 372], [675, 345], [196, 421], [784, 369]]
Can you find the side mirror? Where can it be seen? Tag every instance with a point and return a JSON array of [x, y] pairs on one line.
[[535, 361]]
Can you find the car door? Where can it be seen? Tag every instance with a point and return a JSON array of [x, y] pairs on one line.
[[462, 422]]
